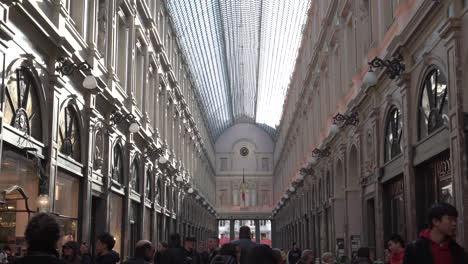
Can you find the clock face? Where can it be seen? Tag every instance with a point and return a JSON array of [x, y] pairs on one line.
[[244, 151]]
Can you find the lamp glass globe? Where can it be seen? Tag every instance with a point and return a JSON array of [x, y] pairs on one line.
[[334, 129], [313, 160], [90, 82], [370, 78], [134, 127], [162, 160]]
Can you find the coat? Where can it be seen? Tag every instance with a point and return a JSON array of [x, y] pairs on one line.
[[420, 252], [245, 245]]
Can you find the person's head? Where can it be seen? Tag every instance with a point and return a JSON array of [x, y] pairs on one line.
[[307, 257], [105, 242], [277, 255], [261, 254], [363, 252], [42, 233], [244, 232], [443, 218], [70, 249], [7, 250], [174, 240], [295, 245], [327, 257], [144, 249], [201, 246], [213, 243], [228, 249], [190, 243], [162, 246], [395, 243]]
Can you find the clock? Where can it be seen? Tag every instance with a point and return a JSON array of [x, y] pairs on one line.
[[244, 151]]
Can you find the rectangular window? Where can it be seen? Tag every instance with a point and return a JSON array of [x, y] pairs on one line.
[[265, 164], [121, 56], [139, 73], [224, 164]]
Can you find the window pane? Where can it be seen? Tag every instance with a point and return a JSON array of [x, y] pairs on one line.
[[67, 191], [116, 220]]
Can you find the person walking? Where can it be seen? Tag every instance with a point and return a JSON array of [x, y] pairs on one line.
[[70, 253], [327, 258], [307, 257], [436, 245], [228, 254], [175, 253], [144, 253], [42, 234], [245, 243], [203, 253], [160, 255], [396, 249], [213, 247], [104, 245], [294, 254], [191, 255]]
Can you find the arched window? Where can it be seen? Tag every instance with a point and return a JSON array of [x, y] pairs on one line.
[[117, 169], [393, 132], [134, 179], [148, 189], [433, 104], [22, 105], [69, 134]]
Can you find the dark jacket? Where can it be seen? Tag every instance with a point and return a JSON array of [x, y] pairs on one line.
[[420, 252], [245, 245], [192, 257], [204, 257], [37, 257], [212, 255], [174, 255], [223, 259], [134, 260], [294, 255], [110, 258], [161, 257], [86, 259]]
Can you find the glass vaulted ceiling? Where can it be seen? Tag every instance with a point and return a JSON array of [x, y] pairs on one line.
[[242, 54]]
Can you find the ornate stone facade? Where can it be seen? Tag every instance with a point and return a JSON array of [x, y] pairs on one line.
[[382, 170]]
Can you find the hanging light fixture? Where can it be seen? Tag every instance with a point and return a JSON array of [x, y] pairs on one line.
[[190, 190], [67, 67]]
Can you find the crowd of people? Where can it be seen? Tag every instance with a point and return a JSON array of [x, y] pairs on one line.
[[435, 245]]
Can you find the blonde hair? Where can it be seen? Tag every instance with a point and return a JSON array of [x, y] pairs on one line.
[[326, 255]]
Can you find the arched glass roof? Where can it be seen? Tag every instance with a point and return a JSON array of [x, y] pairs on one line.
[[242, 54]]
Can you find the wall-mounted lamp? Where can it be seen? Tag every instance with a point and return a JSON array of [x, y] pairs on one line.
[[190, 190], [281, 202], [340, 120], [286, 196], [179, 178], [197, 197], [204, 202], [318, 153], [67, 67], [306, 171], [292, 189], [117, 118], [153, 152], [393, 67]]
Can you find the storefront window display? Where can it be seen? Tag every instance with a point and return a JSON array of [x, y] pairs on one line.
[[116, 215], [393, 134], [66, 205], [17, 170], [394, 208]]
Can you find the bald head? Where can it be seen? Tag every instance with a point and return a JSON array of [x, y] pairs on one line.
[[144, 249]]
